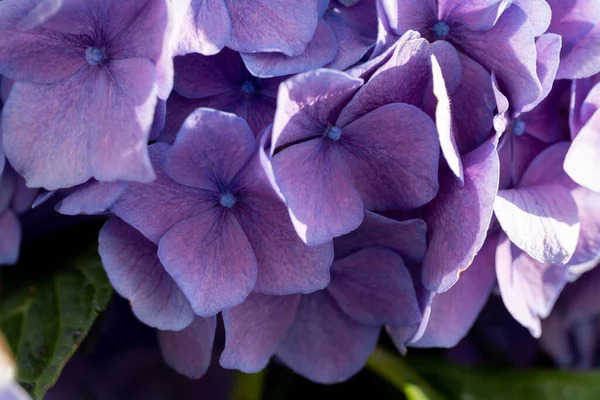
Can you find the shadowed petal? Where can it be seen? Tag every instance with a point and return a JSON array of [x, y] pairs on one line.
[[339, 346], [454, 311], [10, 237], [92, 197], [458, 218], [255, 329], [135, 272], [374, 287], [189, 351]]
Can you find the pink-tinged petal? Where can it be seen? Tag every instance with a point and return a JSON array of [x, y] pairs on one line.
[[154, 208], [538, 12], [10, 237], [307, 103], [385, 178], [92, 197], [322, 202], [286, 265], [402, 79], [255, 329], [406, 238], [529, 288], [53, 147], [339, 346], [209, 257], [540, 219], [548, 49], [454, 311], [320, 51], [356, 30], [472, 104], [135, 272], [416, 15], [512, 59], [125, 101], [474, 14], [210, 150], [272, 25], [189, 351], [458, 218], [204, 27], [443, 121], [374, 287], [583, 158], [34, 55]]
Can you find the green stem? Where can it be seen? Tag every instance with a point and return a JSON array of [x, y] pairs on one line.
[[248, 386]]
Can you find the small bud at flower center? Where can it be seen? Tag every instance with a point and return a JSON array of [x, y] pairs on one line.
[[248, 87], [93, 55], [228, 200], [519, 127], [441, 30], [334, 133]]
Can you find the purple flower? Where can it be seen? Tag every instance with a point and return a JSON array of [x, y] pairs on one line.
[[85, 95], [582, 159], [370, 286], [496, 34], [578, 22], [330, 163], [345, 33], [206, 26], [221, 230], [221, 82]]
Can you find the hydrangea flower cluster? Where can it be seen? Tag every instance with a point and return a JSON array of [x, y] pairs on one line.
[[316, 171]]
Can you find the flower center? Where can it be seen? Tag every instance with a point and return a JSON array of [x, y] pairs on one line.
[[94, 55], [334, 133], [248, 87], [518, 127], [441, 30], [228, 200]]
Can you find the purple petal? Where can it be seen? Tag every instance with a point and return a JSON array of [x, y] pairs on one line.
[[322, 202], [529, 288], [154, 208], [135, 272], [374, 287], [295, 120], [588, 245], [583, 158], [62, 150], [321, 50], [474, 14], [356, 30], [406, 238], [286, 265], [189, 351], [454, 311], [210, 258], [10, 237], [158, 124], [339, 346], [548, 49], [255, 329], [282, 27], [385, 178], [205, 27], [513, 61], [459, 217], [415, 15], [538, 12], [92, 197], [210, 149], [34, 55]]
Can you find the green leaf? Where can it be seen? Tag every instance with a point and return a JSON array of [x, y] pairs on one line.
[[248, 386], [463, 383], [394, 369], [46, 319]]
